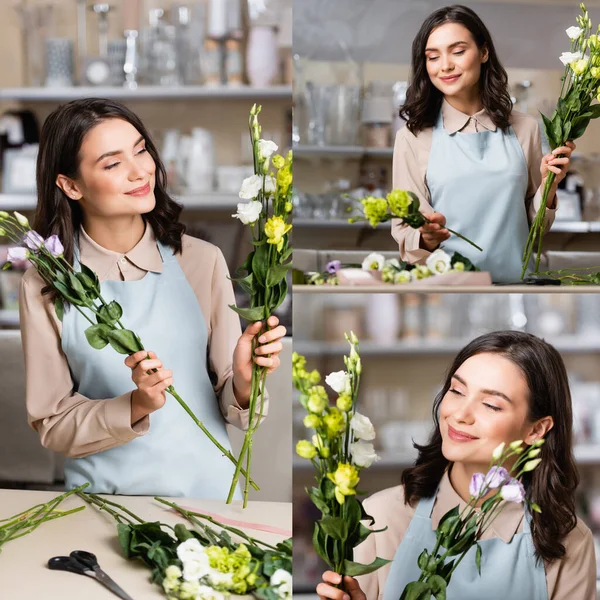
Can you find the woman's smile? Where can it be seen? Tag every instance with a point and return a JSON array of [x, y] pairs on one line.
[[460, 436]]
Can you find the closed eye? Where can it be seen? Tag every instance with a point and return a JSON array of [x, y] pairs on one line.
[[456, 392], [494, 408], [108, 167], [459, 53], [432, 58], [142, 150]]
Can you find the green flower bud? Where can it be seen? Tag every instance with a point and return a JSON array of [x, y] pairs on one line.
[[531, 465], [312, 421], [305, 449], [344, 402]]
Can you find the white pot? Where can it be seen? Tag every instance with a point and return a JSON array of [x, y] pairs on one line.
[[382, 318], [262, 60]]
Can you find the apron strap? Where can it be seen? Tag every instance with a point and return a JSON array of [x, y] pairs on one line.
[[425, 506], [166, 252]]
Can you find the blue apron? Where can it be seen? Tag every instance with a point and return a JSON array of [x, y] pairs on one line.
[[507, 570], [174, 458], [478, 181]]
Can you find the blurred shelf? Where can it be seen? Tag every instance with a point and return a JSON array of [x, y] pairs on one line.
[[567, 344], [588, 454], [150, 92], [557, 227], [208, 200], [9, 318], [340, 152]]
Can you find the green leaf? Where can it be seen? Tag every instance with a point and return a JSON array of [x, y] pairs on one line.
[[478, 558], [124, 533], [97, 335], [446, 527], [285, 546], [250, 314], [579, 125], [362, 533], [489, 503], [77, 287], [458, 257], [110, 313], [334, 527], [319, 544], [123, 341], [90, 276], [446, 569], [567, 131], [353, 515], [449, 515], [595, 111], [281, 295], [353, 569], [327, 488], [416, 590], [182, 532], [438, 587], [64, 291], [59, 307], [276, 273], [317, 499], [286, 254], [548, 131], [260, 264], [557, 129], [423, 560], [246, 283]]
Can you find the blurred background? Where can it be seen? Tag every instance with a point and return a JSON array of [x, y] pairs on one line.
[[191, 71], [407, 342], [351, 72]]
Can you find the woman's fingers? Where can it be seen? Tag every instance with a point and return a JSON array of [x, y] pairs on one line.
[[271, 348], [273, 334], [272, 363], [133, 359], [332, 577], [328, 591]]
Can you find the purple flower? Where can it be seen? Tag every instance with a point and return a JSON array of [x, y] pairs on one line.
[[513, 491], [495, 477], [476, 484], [15, 254], [33, 240], [54, 246], [334, 266]]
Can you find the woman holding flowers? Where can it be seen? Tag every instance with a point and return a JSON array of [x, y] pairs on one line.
[[501, 387], [102, 201], [470, 159]]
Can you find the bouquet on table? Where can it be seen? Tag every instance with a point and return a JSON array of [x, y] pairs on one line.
[[396, 271], [574, 111], [340, 447], [458, 532], [29, 520], [81, 289], [268, 213], [398, 204], [202, 563]]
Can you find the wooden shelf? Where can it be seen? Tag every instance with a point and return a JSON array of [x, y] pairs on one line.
[[150, 92]]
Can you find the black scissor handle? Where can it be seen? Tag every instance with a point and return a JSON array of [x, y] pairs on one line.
[[85, 558], [67, 563]]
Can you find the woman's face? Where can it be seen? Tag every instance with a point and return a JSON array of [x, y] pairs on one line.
[[116, 173], [487, 404], [453, 59]]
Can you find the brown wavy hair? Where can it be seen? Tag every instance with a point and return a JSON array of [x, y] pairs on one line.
[[424, 100], [553, 483], [62, 134]]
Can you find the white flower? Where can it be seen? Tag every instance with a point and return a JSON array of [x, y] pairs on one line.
[[282, 581], [33, 240], [248, 213], [373, 262], [392, 262], [339, 381], [574, 32], [270, 184], [497, 453], [567, 58], [251, 186], [438, 262], [173, 572], [204, 592], [195, 569], [189, 549], [363, 454], [266, 148], [15, 254], [402, 277], [22, 220], [362, 427], [217, 578]]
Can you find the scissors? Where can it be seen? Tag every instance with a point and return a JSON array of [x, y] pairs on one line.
[[86, 563]]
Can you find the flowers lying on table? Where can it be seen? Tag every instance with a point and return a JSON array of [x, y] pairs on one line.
[[340, 447], [81, 289], [202, 563], [29, 520], [398, 204], [458, 532], [268, 213], [578, 276], [574, 111], [395, 271]]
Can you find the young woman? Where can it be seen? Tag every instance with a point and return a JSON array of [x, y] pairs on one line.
[[502, 387], [473, 161], [102, 190]]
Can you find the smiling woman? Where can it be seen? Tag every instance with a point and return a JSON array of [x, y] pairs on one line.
[[501, 387], [467, 155], [102, 190]]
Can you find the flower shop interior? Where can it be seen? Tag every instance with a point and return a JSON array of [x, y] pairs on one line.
[[191, 71], [407, 343], [351, 69]]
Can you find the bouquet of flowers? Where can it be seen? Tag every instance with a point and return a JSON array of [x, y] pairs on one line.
[[396, 271], [574, 111], [340, 447], [202, 563], [29, 520], [268, 213], [458, 532], [578, 276], [398, 204], [81, 290]]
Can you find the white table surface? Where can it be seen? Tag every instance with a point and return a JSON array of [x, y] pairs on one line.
[[25, 576], [445, 289]]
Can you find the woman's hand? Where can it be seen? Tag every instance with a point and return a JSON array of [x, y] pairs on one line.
[[150, 393], [433, 234], [558, 166], [268, 343], [351, 587]]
